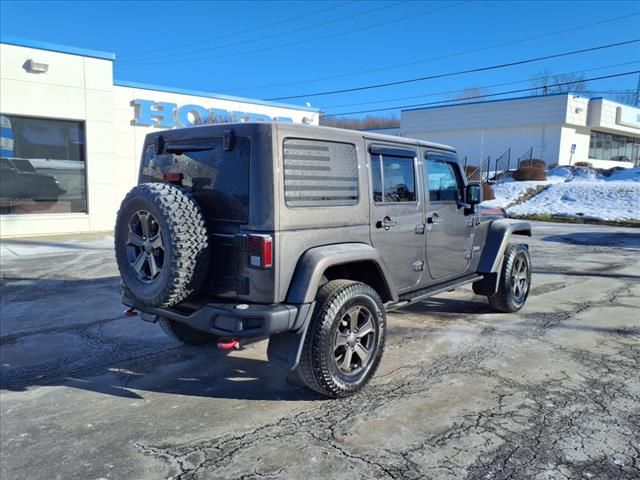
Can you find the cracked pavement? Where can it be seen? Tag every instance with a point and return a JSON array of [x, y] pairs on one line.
[[552, 392]]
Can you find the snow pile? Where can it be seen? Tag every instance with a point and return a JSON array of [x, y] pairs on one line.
[[628, 174], [600, 200], [574, 173], [578, 192], [510, 191]]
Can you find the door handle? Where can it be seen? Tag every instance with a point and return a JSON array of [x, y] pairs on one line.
[[386, 223], [434, 219]]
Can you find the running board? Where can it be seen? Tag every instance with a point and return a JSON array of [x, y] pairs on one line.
[[431, 291]]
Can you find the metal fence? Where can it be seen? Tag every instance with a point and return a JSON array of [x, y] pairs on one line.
[[501, 166], [496, 171], [525, 159], [481, 173]]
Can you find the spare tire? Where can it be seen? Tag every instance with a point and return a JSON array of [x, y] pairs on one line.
[[161, 244]]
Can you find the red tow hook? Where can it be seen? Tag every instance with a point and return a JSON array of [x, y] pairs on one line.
[[229, 344], [130, 312]]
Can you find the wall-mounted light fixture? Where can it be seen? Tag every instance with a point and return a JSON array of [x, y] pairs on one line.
[[32, 66], [308, 120]]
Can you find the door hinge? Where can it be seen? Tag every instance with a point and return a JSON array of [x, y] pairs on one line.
[[467, 255], [420, 228], [418, 266]]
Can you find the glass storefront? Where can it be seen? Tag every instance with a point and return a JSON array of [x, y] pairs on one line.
[[42, 166], [607, 146]]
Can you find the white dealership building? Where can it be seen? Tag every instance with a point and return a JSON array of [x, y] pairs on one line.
[[72, 136], [558, 128]]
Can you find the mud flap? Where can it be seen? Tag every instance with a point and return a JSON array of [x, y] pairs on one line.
[[488, 285], [285, 348]]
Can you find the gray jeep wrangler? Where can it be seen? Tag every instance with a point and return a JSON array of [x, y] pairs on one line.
[[308, 236]]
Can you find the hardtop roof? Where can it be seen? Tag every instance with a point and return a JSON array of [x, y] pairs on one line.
[[201, 131]]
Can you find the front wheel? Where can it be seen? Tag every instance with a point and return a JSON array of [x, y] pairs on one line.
[[515, 280], [345, 340]]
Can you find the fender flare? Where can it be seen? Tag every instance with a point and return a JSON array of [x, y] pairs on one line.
[[315, 261], [285, 348], [497, 240], [496, 243]]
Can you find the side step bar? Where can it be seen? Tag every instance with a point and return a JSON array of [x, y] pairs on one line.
[[431, 291]]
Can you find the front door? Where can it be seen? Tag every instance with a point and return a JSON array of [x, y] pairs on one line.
[[449, 231], [397, 230]]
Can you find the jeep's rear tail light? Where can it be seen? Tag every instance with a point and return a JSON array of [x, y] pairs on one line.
[[260, 251], [172, 177]]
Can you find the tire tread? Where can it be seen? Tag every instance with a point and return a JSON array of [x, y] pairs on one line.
[[313, 369], [502, 301]]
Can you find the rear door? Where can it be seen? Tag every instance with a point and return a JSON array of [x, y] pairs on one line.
[[396, 212], [218, 179], [449, 230]]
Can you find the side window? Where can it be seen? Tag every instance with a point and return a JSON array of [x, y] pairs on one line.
[[393, 179], [319, 173], [443, 181]]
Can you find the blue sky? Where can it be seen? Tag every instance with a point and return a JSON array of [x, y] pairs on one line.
[[276, 49]]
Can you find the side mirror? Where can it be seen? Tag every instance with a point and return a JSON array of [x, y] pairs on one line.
[[473, 194]]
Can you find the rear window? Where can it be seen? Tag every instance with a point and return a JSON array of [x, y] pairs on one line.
[[319, 173], [218, 179]]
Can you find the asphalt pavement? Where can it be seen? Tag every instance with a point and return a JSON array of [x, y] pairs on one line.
[[552, 392]]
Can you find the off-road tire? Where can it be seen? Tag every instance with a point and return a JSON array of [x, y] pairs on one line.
[[186, 334], [505, 300], [317, 368], [184, 234]]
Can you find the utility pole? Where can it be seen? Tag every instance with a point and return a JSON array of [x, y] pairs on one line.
[[636, 99]]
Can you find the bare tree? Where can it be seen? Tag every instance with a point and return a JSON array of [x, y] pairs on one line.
[[471, 94], [629, 98], [545, 82], [540, 80], [367, 122]]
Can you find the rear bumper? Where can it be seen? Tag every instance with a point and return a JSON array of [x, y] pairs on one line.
[[227, 320]]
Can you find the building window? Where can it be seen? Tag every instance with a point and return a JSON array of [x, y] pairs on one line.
[[393, 179], [42, 164], [319, 173], [606, 146]]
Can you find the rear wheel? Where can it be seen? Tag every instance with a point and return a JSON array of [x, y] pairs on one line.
[[345, 340], [186, 334], [515, 280]]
